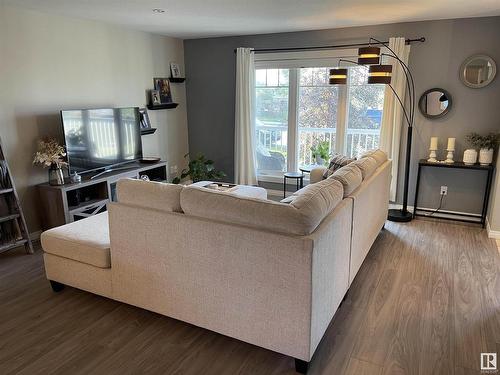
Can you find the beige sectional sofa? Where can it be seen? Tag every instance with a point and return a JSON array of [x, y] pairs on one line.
[[271, 274]]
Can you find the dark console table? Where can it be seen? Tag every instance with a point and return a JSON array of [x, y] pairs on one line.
[[488, 169], [70, 202]]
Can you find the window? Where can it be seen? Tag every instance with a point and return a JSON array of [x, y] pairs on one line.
[[296, 108], [317, 112], [364, 113], [271, 119]]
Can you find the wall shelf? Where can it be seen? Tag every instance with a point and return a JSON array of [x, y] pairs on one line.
[[148, 131], [162, 106], [177, 79]]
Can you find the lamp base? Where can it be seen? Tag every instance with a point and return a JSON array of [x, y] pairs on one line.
[[399, 216]]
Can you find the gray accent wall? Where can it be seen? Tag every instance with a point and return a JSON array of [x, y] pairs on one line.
[[210, 71]]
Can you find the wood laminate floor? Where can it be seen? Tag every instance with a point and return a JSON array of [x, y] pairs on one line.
[[426, 301]]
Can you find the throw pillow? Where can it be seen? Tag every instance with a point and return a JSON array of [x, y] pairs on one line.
[[336, 162]]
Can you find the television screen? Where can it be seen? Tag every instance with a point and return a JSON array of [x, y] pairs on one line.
[[100, 138]]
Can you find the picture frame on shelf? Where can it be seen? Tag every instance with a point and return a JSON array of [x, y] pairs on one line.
[[162, 85], [144, 119], [175, 70], [155, 97]]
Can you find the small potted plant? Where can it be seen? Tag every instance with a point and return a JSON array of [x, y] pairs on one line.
[[486, 145], [200, 169], [321, 152], [51, 154]]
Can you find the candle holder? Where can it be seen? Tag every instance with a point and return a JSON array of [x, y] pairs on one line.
[[432, 156], [449, 157]]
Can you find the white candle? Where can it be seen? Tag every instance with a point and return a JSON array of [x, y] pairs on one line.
[[451, 144], [434, 143]]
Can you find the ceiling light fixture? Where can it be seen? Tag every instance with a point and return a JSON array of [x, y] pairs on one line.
[[158, 10]]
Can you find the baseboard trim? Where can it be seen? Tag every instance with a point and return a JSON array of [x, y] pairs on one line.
[[446, 213], [492, 233]]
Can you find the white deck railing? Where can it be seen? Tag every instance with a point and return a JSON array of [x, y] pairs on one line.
[[274, 138]]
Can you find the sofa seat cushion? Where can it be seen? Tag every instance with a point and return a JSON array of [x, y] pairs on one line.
[[349, 176], [367, 165], [150, 194], [300, 217], [86, 241]]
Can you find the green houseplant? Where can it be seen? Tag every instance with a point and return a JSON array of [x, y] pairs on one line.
[[200, 169], [321, 152], [486, 145]]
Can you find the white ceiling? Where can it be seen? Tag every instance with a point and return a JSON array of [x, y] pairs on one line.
[[206, 18]]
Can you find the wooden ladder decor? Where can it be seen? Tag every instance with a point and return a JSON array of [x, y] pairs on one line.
[[13, 229]]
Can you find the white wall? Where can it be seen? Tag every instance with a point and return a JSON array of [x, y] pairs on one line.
[[48, 63]]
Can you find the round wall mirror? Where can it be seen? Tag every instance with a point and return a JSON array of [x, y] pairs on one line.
[[435, 103], [478, 71]]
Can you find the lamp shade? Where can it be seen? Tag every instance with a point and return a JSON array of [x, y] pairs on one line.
[[368, 55], [380, 74], [338, 76]]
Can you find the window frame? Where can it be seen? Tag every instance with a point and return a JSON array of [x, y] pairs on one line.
[[295, 61]]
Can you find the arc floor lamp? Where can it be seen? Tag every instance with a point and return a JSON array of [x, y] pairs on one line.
[[381, 74]]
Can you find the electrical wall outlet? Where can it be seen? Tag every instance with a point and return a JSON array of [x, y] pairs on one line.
[[444, 190], [173, 169]]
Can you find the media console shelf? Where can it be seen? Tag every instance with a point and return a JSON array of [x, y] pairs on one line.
[[71, 202]]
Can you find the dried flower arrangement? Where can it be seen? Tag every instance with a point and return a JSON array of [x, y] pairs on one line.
[[50, 154]]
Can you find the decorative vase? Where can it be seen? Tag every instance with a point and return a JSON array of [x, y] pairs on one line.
[[470, 156], [56, 176], [485, 156], [320, 160]]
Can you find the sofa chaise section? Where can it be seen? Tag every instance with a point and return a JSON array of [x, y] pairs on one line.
[[78, 254]]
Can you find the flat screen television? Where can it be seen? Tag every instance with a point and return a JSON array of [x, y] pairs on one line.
[[98, 139]]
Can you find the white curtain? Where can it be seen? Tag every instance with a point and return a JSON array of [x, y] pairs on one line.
[[244, 142], [392, 118]]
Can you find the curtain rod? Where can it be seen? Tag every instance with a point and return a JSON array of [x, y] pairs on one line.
[[263, 50]]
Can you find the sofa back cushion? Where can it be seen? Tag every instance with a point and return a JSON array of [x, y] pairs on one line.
[[149, 194], [300, 217], [379, 155], [349, 176], [317, 200], [367, 165]]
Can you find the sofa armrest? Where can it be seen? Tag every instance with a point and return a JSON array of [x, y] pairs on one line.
[[317, 174]]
